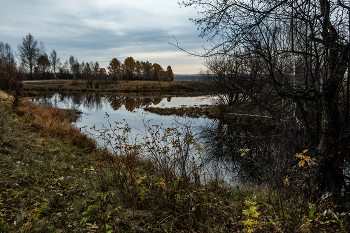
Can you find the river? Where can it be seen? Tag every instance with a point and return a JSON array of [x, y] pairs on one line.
[[105, 115], [95, 108]]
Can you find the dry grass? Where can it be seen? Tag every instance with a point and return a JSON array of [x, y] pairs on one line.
[[4, 97], [54, 122], [6, 100]]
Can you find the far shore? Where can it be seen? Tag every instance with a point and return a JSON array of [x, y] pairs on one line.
[[123, 86]]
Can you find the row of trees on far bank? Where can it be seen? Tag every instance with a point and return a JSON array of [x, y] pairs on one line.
[[129, 70], [132, 69], [35, 63]]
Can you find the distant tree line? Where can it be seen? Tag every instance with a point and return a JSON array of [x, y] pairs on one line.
[[34, 64], [139, 70]]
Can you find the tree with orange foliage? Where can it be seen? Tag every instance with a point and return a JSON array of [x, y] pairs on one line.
[[157, 72], [115, 102], [129, 66], [138, 69], [147, 70], [156, 101], [130, 104], [114, 68], [169, 74]]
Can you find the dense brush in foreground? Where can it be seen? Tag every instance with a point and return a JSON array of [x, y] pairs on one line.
[[53, 179]]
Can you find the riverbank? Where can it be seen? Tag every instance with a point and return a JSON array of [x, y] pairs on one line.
[[214, 112], [211, 112], [119, 87], [54, 179]]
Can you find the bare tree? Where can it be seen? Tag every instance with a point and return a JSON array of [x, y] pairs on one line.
[[225, 73], [54, 61], [74, 66], [42, 50], [9, 74], [302, 47], [7, 58], [72, 63], [64, 70], [29, 52]]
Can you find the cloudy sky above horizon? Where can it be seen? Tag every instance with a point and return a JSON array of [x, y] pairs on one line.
[[99, 30]]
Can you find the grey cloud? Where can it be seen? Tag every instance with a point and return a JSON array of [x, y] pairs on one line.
[[87, 30]]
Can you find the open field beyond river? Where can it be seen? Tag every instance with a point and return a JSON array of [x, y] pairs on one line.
[[121, 86]]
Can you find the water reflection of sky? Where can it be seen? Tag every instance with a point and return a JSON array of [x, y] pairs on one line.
[[127, 110]]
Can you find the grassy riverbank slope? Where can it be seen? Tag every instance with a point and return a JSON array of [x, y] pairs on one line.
[[121, 86], [53, 179]]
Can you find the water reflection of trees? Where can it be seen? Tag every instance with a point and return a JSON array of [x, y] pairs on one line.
[[45, 99], [115, 101], [96, 101], [248, 148], [131, 103]]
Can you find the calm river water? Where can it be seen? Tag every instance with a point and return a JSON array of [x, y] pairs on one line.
[[124, 109], [99, 110]]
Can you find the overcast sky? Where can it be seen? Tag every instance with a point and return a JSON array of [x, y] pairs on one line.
[[99, 30]]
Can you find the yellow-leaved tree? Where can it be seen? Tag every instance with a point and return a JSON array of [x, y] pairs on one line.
[[157, 72], [138, 69], [129, 66], [169, 74], [147, 70], [114, 68]]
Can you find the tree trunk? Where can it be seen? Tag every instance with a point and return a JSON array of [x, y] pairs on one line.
[[328, 173]]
